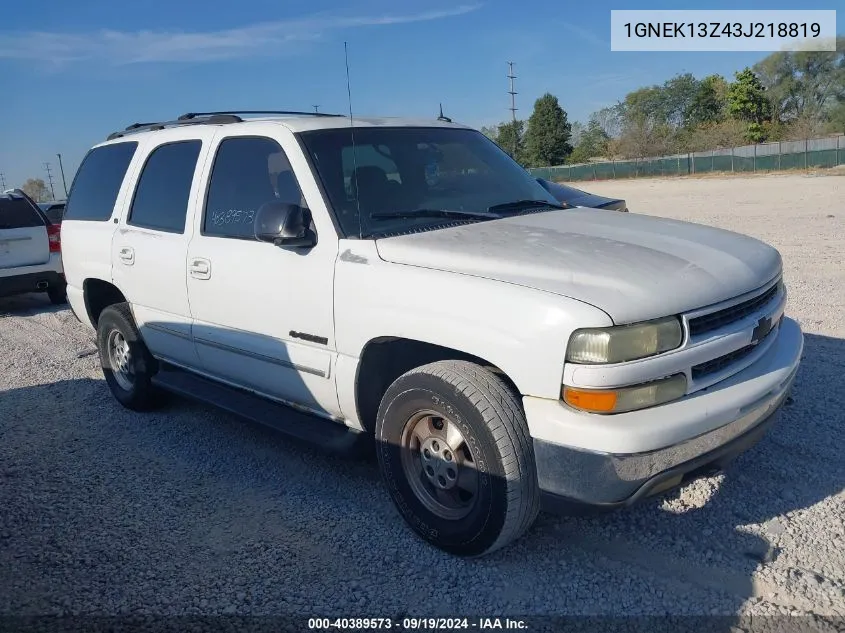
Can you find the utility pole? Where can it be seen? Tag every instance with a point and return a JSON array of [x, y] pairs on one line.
[[62, 169], [315, 108], [2, 181], [512, 93], [50, 179]]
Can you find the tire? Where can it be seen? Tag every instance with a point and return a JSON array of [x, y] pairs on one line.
[[494, 447], [132, 386], [57, 294]]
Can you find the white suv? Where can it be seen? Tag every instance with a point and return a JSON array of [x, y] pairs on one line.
[[30, 249], [406, 280]]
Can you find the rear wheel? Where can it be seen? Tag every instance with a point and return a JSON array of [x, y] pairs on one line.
[[128, 366], [457, 458]]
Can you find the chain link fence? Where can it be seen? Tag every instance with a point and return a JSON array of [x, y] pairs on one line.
[[819, 152]]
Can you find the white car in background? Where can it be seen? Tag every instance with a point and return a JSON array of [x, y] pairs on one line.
[[30, 249], [405, 280]]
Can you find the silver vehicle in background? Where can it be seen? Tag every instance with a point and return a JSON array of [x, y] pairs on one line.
[[30, 249]]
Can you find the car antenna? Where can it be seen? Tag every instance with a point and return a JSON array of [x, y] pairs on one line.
[[443, 118], [352, 133]]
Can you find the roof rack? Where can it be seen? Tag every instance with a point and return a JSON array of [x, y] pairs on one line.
[[192, 115], [208, 118], [160, 125]]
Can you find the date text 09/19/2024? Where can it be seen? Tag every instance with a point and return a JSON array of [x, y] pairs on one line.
[[415, 624]]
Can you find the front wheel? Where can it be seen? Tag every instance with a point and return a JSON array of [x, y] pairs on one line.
[[457, 458], [127, 364]]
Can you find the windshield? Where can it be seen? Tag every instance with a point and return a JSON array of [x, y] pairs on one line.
[[405, 179]]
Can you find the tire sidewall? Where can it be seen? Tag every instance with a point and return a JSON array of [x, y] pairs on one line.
[[111, 320], [475, 533]]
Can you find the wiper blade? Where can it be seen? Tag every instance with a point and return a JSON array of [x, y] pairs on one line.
[[523, 205], [433, 213]]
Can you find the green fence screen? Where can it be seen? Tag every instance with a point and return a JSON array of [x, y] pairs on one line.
[[813, 153]]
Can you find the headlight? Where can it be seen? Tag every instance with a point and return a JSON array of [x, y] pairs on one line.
[[626, 398], [625, 342]]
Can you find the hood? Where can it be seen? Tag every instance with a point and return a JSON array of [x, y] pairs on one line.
[[633, 267]]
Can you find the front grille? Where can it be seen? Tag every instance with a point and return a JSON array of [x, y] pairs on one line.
[[715, 320], [717, 364]]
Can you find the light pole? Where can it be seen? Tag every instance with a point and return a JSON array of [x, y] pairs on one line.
[[62, 169]]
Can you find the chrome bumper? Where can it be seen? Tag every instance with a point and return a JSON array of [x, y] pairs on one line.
[[573, 476]]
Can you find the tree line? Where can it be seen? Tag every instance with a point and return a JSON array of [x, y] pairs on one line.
[[37, 189], [786, 96]]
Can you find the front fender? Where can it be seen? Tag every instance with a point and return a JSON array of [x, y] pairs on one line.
[[523, 331]]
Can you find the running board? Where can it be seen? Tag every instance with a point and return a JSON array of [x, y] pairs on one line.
[[333, 437]]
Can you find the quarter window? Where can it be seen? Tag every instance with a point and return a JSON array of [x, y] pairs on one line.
[[248, 172], [97, 183], [161, 198]]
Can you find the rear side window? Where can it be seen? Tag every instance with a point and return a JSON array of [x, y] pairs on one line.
[[248, 172], [97, 183], [16, 213], [161, 198]]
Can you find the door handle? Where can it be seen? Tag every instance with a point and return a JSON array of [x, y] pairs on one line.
[[200, 268], [127, 255]]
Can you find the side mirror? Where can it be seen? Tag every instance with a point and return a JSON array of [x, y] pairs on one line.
[[284, 224]]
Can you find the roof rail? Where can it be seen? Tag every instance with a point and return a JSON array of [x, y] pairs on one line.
[[210, 119], [192, 115]]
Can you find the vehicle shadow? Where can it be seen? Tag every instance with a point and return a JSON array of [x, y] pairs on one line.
[[102, 502], [28, 304]]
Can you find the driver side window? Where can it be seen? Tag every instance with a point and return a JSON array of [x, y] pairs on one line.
[[247, 173]]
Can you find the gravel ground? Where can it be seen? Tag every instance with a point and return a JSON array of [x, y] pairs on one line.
[[191, 511]]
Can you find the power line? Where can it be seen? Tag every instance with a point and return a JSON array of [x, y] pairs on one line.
[[50, 179]]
